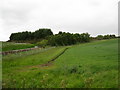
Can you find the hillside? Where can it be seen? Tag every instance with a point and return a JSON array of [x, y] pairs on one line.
[[87, 65]]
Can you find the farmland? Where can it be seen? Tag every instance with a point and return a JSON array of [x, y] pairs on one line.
[[7, 46], [86, 65]]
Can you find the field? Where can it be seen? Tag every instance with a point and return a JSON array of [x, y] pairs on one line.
[[88, 65], [7, 46]]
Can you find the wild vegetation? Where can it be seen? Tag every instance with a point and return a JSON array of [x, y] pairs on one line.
[[26, 36], [64, 39], [45, 37], [86, 65]]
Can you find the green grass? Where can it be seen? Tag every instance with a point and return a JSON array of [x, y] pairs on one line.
[[96, 63], [89, 65], [7, 46]]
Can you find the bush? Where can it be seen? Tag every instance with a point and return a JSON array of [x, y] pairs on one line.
[[100, 37], [42, 43]]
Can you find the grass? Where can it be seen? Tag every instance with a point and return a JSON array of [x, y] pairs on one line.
[[89, 65], [7, 46], [96, 63]]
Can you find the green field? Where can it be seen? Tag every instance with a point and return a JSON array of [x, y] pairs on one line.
[[88, 65], [7, 46]]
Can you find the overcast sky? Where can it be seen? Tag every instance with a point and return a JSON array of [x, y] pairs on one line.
[[75, 16]]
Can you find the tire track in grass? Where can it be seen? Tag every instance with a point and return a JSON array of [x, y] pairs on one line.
[[49, 63]]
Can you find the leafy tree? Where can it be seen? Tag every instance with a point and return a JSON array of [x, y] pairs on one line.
[[85, 37], [112, 36], [106, 37], [62, 39], [60, 32], [38, 34], [100, 37]]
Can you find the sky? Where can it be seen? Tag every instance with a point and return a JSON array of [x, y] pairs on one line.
[[97, 17]]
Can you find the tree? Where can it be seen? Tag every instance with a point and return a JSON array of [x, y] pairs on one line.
[[106, 37], [84, 37], [60, 32], [100, 37], [38, 34], [63, 39]]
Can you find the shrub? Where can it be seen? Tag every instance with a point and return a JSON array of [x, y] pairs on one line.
[[42, 43]]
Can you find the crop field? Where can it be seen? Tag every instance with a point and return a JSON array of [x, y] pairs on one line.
[[7, 46], [87, 65]]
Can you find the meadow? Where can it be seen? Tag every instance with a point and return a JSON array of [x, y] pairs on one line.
[[87, 65], [7, 46]]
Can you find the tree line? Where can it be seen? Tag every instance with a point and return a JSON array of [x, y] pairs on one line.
[[24, 36], [63, 38], [101, 37], [45, 37]]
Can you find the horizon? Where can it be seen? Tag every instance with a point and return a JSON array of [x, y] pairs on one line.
[[65, 32]]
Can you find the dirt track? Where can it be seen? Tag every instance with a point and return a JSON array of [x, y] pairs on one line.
[[50, 62]]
